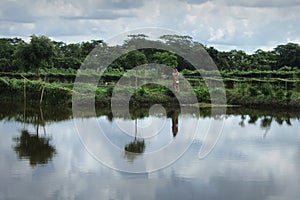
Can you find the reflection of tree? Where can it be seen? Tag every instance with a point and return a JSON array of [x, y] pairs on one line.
[[266, 124], [242, 122], [33, 147], [135, 147], [288, 121], [253, 119], [280, 120]]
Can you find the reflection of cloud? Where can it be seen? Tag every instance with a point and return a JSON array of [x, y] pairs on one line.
[[244, 162], [243, 165]]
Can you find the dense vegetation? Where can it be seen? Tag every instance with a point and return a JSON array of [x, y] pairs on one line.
[[264, 78]]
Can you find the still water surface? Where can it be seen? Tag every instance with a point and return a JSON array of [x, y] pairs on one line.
[[256, 157]]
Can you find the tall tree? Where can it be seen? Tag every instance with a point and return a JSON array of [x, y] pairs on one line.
[[264, 60], [133, 59], [288, 55], [38, 53], [87, 47], [166, 58], [7, 49], [220, 58]]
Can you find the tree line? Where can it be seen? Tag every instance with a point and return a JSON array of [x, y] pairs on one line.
[[42, 52]]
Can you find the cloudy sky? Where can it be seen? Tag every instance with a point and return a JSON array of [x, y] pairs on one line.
[[224, 24]]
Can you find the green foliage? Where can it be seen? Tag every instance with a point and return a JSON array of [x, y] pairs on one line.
[[15, 54], [285, 68], [220, 58], [288, 55], [297, 86], [267, 89], [288, 96], [170, 93], [7, 48], [279, 94], [133, 59], [67, 62], [253, 91], [38, 53], [202, 94], [263, 60], [141, 91], [109, 91], [242, 88], [166, 58], [249, 78], [5, 64]]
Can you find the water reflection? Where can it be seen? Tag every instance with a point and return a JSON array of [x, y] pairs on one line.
[[242, 165], [266, 120], [174, 115], [37, 149], [136, 147]]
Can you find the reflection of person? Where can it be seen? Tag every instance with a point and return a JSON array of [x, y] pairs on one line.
[[176, 80], [175, 124]]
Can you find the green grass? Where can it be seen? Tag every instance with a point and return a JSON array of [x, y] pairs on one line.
[[275, 88]]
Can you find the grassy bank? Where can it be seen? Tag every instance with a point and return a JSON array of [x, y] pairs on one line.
[[240, 90]]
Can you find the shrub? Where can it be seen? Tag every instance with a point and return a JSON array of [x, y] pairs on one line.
[[297, 86], [288, 96], [109, 91], [219, 95], [267, 89], [170, 93], [285, 68], [253, 91], [202, 94], [141, 91], [280, 95], [242, 88]]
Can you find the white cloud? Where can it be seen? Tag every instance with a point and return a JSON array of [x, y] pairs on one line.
[[244, 24], [262, 3]]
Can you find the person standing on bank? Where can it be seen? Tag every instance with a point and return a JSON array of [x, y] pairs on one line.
[[176, 80]]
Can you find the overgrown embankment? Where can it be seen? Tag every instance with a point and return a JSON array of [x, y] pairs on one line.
[[248, 89]]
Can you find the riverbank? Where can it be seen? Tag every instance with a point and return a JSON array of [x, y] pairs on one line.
[[63, 97], [57, 89]]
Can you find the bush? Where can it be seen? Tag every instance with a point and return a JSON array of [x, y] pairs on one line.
[[242, 88], [109, 91], [297, 86], [285, 68], [253, 91], [219, 95], [202, 94], [267, 89], [280, 95], [141, 91], [288, 96], [169, 93]]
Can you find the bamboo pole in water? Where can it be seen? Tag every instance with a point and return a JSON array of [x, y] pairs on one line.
[[24, 101], [42, 118], [42, 94]]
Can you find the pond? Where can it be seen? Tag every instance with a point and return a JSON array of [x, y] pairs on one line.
[[257, 155]]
